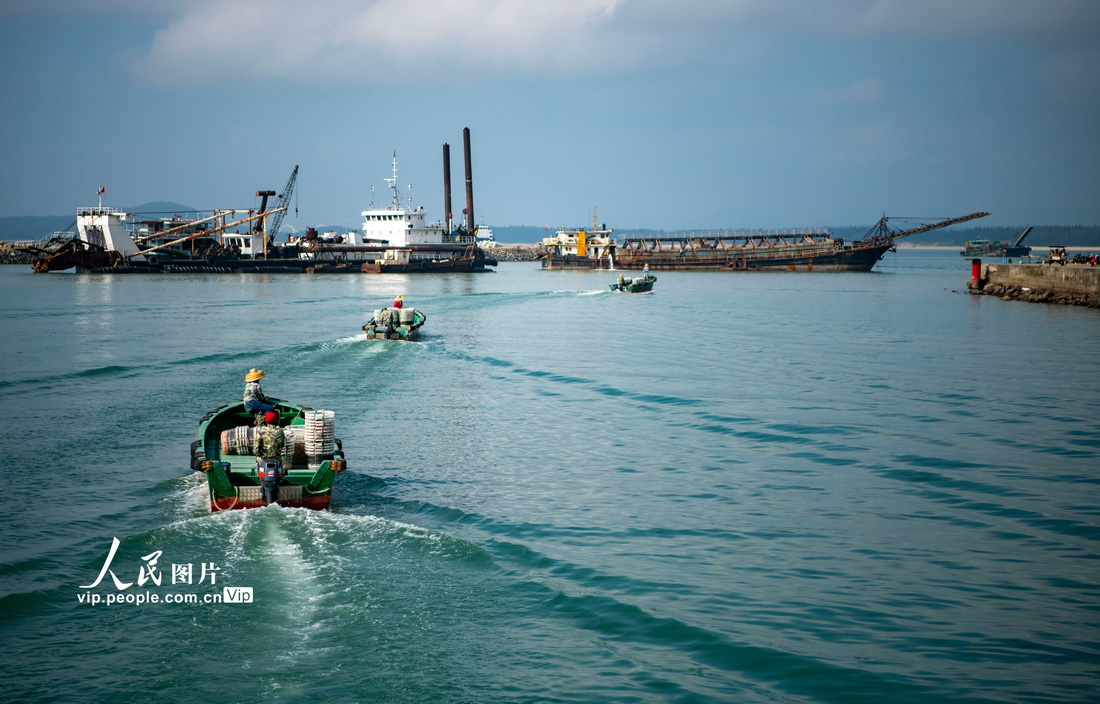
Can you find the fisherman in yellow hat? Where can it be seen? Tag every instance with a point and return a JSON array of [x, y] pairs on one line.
[[399, 301], [254, 399]]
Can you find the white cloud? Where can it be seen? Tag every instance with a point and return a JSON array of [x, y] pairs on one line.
[[385, 40]]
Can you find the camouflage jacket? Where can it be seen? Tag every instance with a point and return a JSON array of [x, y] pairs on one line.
[[253, 392], [269, 441]]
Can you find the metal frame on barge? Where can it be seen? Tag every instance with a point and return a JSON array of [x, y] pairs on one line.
[[795, 249]]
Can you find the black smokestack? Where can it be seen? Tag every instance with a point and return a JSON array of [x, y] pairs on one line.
[[447, 186], [469, 180]]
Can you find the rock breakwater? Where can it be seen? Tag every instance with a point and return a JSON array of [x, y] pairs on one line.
[[517, 252], [1070, 284]]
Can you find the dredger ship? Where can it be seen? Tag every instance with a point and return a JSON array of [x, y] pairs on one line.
[[395, 238]]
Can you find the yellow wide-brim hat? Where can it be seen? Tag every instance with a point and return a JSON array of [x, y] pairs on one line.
[[400, 298], [254, 375]]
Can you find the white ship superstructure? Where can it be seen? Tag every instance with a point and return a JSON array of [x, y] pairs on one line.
[[400, 224], [105, 227], [405, 229]]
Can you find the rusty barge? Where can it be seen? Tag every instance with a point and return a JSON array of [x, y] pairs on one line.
[[803, 249]]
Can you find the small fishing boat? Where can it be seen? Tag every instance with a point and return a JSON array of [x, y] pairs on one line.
[[395, 324], [638, 284], [303, 476]]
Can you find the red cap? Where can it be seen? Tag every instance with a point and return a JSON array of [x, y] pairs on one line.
[[270, 417]]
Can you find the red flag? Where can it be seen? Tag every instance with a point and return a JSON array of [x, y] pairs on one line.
[[102, 190]]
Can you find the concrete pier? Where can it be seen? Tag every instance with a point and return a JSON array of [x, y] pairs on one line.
[[1070, 284]]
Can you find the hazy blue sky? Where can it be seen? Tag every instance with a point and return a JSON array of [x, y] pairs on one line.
[[661, 113]]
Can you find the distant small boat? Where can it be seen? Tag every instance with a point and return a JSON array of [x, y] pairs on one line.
[[223, 451], [402, 324], [1005, 250], [638, 284]]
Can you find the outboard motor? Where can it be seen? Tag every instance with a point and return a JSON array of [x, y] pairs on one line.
[[271, 473]]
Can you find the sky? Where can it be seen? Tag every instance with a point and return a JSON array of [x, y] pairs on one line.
[[660, 114]]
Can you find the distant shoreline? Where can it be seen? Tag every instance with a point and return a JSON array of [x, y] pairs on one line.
[[959, 247]]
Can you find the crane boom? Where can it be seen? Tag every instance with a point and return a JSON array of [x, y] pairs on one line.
[[881, 230], [284, 200], [180, 228]]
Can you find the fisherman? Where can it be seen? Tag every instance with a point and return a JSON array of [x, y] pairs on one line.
[[254, 399], [268, 441], [622, 280], [645, 271], [399, 301], [385, 319]]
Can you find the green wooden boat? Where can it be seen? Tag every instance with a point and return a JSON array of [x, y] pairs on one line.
[[638, 284], [405, 326], [222, 450]]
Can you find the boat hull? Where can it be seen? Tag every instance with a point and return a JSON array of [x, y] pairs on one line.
[[635, 286], [75, 254], [241, 501], [573, 261], [222, 452], [407, 332], [855, 257], [207, 266], [88, 259], [996, 251], [425, 266]]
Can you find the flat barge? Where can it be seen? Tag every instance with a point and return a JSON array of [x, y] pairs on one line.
[[800, 249]]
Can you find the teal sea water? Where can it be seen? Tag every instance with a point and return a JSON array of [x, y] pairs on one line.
[[737, 488]]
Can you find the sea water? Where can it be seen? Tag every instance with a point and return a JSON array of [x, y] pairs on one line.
[[775, 487]]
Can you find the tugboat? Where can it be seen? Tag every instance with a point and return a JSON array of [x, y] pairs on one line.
[[224, 451], [395, 324], [578, 248], [638, 284]]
